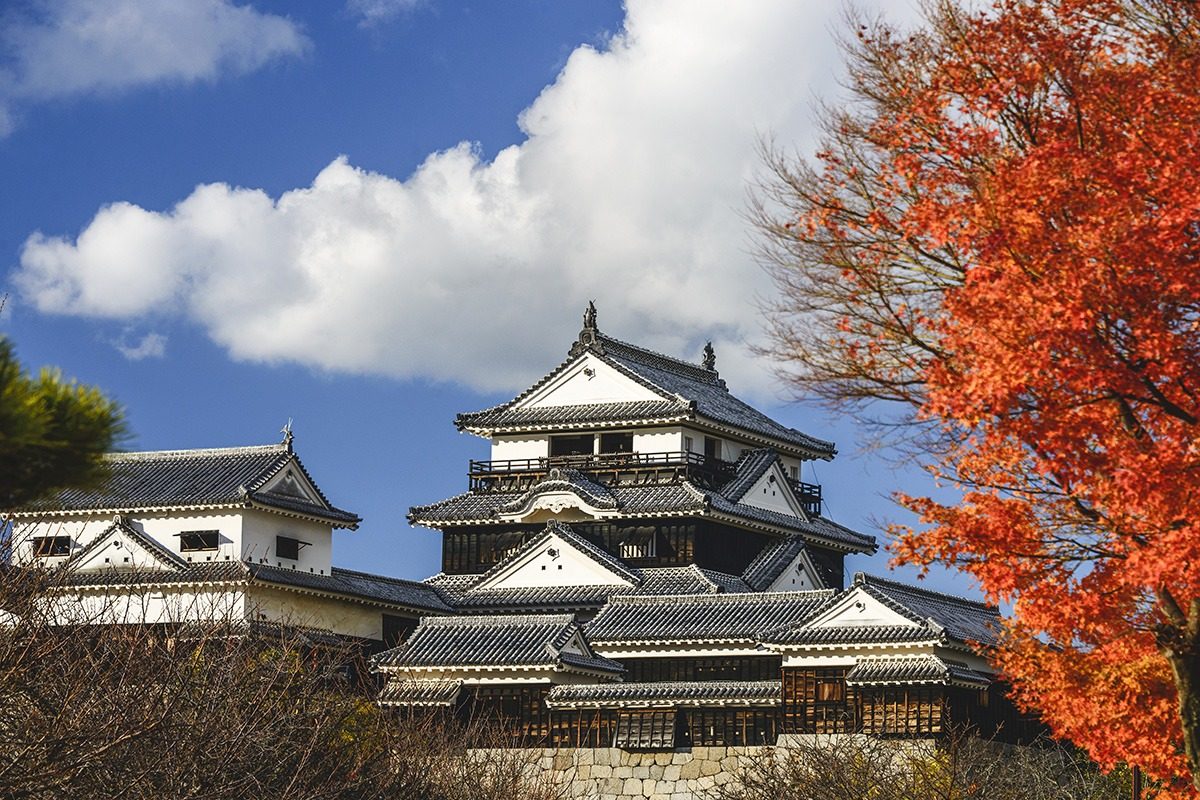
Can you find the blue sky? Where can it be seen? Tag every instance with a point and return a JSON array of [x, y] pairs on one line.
[[370, 216]]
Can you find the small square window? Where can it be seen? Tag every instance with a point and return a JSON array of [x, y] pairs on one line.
[[287, 547], [48, 546], [190, 541]]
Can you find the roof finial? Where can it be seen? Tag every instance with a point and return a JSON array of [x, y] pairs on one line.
[[710, 358], [288, 436], [589, 337]]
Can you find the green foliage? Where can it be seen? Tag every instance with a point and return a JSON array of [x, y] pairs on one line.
[[53, 432]]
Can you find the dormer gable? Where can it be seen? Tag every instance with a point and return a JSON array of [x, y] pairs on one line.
[[293, 483], [558, 557], [588, 380], [858, 608], [123, 547], [772, 492]]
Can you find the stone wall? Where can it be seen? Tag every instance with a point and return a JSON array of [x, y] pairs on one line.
[[614, 774]]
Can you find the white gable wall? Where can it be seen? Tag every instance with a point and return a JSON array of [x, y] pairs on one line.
[[772, 493], [567, 567], [575, 386], [860, 609], [799, 576]]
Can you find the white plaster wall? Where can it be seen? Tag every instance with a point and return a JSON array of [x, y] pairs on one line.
[[577, 387], [658, 440], [149, 604], [160, 526], [345, 617], [506, 448], [796, 578], [259, 529]]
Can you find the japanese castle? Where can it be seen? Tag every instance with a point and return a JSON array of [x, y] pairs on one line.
[[639, 564]]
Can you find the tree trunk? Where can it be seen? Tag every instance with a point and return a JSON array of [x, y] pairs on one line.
[[1183, 654]]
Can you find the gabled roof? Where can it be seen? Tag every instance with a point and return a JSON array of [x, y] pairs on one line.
[[962, 619], [771, 561], [556, 529], [751, 465], [715, 618], [935, 617], [528, 641], [177, 479], [159, 554], [665, 694], [688, 392]]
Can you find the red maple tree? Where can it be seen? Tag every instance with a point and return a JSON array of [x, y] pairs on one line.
[[1003, 233]]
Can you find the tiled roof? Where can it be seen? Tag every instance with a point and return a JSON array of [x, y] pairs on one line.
[[568, 480], [771, 561], [419, 693], [962, 619], [750, 466], [686, 390], [665, 694], [687, 580], [918, 669], [633, 501], [702, 617], [534, 598], [190, 478], [206, 573], [501, 418], [705, 388], [516, 641]]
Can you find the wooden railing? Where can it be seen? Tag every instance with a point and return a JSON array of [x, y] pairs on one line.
[[607, 468]]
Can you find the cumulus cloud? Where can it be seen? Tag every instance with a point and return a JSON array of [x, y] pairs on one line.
[[72, 47], [152, 345], [628, 189]]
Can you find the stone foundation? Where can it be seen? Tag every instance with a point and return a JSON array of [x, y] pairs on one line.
[[613, 774]]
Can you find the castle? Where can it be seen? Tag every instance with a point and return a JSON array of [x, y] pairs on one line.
[[639, 565]]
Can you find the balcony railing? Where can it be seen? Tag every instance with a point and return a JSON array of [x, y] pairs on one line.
[[607, 468], [809, 495]]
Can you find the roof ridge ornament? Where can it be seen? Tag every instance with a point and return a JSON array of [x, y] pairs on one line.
[[288, 436], [589, 335], [709, 361]]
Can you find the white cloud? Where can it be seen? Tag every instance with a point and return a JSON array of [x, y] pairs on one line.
[[372, 12], [628, 189], [152, 345], [72, 47]]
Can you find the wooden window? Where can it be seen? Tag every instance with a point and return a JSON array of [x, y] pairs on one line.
[[396, 629], [712, 448], [640, 543], [199, 540], [616, 443], [47, 546], [688, 444], [818, 701], [728, 727], [287, 547], [645, 730], [572, 445], [517, 712]]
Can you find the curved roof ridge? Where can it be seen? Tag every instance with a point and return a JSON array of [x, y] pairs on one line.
[[656, 358]]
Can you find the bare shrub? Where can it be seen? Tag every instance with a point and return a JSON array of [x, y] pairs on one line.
[[959, 768]]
